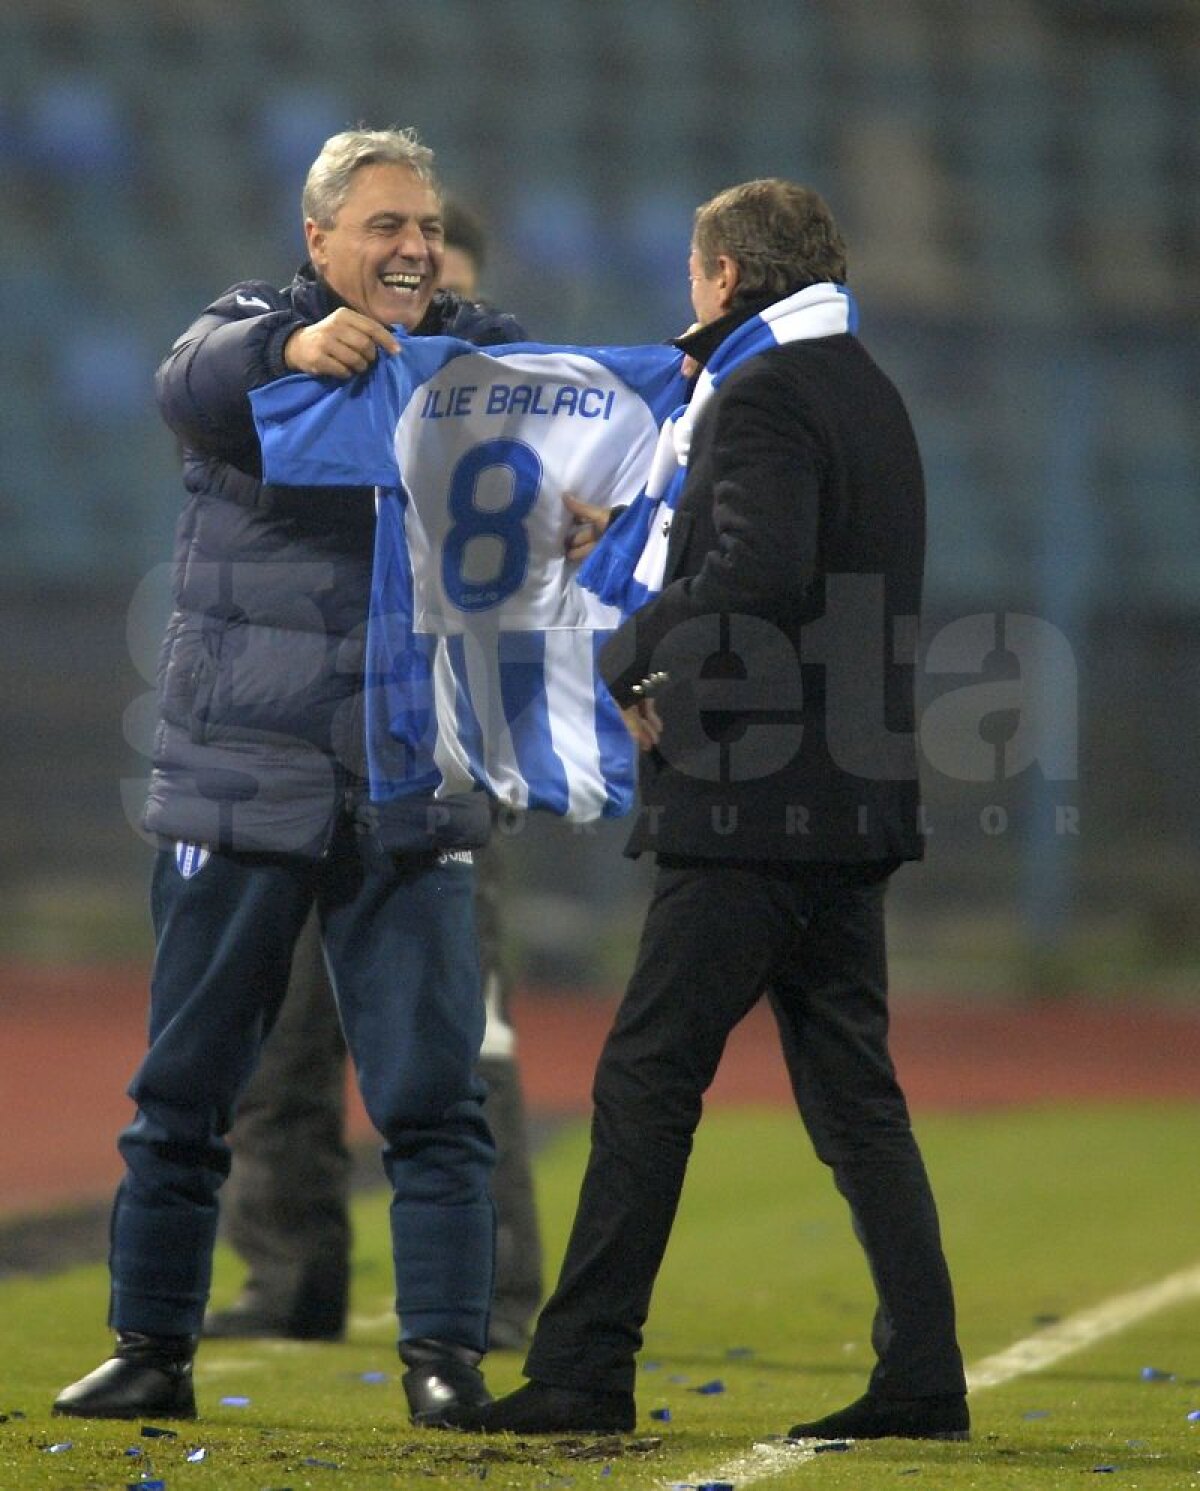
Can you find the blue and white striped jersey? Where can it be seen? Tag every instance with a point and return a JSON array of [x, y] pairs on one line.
[[481, 648]]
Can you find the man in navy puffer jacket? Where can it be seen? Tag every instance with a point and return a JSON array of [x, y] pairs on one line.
[[257, 799]]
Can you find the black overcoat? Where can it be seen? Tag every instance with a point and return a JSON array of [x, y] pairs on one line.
[[787, 624]]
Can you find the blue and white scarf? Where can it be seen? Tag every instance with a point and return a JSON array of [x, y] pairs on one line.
[[626, 567]]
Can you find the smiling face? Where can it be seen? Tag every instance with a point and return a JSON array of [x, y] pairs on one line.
[[383, 253]]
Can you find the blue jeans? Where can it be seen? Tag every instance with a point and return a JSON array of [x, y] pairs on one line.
[[399, 939]]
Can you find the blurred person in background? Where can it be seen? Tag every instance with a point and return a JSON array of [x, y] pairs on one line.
[[258, 799], [286, 1206], [792, 528], [465, 250]]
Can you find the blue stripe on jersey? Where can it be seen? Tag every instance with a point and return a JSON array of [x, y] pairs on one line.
[[401, 724], [405, 755], [527, 711], [467, 724], [612, 738], [309, 439]]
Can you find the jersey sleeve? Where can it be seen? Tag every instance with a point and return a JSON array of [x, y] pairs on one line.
[[322, 432]]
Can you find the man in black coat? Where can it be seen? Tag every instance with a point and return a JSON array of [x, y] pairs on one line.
[[769, 682], [258, 801]]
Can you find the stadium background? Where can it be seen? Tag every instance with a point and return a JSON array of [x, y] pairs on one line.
[[1017, 181]]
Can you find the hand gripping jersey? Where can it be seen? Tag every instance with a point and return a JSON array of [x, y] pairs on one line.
[[480, 646]]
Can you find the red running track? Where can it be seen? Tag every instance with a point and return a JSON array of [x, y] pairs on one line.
[[71, 1037]]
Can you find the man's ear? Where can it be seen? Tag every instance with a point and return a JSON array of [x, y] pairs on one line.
[[729, 277], [314, 237]]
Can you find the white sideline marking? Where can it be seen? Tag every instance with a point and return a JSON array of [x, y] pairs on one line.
[[1083, 1329], [758, 1464], [1032, 1354]]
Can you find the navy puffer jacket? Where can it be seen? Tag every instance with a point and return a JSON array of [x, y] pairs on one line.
[[259, 743]]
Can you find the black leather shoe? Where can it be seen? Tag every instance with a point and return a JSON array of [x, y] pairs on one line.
[[539, 1408], [873, 1417], [146, 1377], [442, 1377], [246, 1321]]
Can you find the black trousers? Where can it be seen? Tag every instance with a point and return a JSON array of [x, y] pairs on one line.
[[716, 938]]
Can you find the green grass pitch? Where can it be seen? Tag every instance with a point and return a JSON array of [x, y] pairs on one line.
[[1046, 1213]]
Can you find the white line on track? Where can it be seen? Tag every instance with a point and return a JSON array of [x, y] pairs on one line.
[[1033, 1354]]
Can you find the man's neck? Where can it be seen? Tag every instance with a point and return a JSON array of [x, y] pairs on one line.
[[702, 343]]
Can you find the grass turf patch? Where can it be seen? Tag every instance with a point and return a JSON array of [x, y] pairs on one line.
[[764, 1292]]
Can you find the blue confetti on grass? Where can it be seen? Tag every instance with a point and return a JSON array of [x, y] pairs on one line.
[[195, 1456], [152, 1431], [715, 1486], [235, 1402], [373, 1376], [831, 1447], [322, 1464], [663, 1415], [1194, 1416], [1156, 1374], [60, 1448], [1105, 1469], [709, 1388]]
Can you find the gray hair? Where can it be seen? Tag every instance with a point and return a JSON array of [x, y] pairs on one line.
[[330, 175], [781, 236]]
